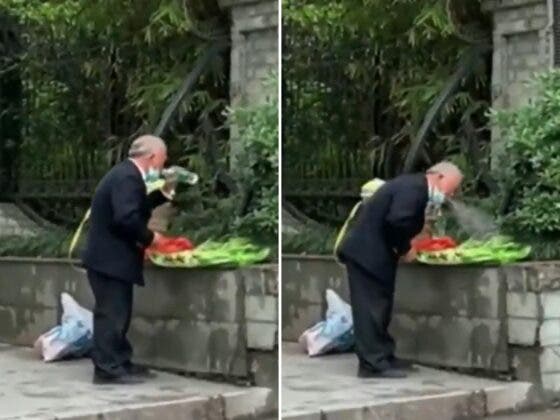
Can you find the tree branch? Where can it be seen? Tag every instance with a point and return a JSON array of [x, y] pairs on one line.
[[465, 69], [188, 84]]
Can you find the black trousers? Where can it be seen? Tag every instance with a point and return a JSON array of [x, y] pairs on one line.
[[111, 319], [372, 306]]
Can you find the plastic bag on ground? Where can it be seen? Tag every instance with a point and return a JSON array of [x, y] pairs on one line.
[[335, 333], [73, 338]]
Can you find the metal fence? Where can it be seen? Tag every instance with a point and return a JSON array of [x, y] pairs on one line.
[[10, 107], [328, 123], [51, 121], [66, 118]]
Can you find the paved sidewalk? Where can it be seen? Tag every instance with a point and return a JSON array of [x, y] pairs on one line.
[[31, 389], [327, 388], [544, 415]]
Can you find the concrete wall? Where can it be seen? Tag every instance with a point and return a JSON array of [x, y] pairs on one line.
[[254, 54], [533, 306], [442, 316], [523, 45], [254, 51], [494, 320], [195, 321]]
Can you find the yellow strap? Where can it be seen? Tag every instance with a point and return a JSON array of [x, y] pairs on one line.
[[156, 185], [342, 232], [368, 190], [77, 235]]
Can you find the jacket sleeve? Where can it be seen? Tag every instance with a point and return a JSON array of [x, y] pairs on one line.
[[126, 200], [406, 212]]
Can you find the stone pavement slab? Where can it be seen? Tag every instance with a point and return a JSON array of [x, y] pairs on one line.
[[32, 389], [327, 388], [542, 415]]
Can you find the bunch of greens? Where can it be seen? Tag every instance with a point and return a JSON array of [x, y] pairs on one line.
[[236, 252], [497, 250]]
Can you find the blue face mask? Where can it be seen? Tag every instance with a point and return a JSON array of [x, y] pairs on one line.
[[435, 196], [152, 175]]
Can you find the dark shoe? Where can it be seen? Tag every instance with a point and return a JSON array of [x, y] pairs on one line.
[[401, 364], [389, 373], [140, 371], [99, 379]]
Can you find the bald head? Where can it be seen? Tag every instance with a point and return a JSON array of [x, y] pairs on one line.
[[149, 152], [146, 145], [445, 176]]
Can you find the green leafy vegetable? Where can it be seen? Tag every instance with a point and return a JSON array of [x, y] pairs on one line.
[[235, 252], [497, 250]]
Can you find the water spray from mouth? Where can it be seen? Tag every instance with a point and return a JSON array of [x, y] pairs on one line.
[[475, 222]]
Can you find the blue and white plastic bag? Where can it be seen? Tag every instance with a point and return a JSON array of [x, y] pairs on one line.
[[335, 333], [73, 338]]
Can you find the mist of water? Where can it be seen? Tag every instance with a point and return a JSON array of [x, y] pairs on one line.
[[474, 221]]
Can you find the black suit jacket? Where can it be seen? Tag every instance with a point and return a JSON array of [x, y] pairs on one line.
[[118, 232], [385, 225]]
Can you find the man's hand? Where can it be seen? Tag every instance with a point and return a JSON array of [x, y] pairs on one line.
[[168, 188], [157, 239], [410, 256]]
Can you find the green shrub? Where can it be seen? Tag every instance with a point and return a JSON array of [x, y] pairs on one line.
[[531, 136], [311, 241], [256, 166], [253, 211]]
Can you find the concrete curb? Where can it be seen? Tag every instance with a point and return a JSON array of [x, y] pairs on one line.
[[456, 405], [249, 404]]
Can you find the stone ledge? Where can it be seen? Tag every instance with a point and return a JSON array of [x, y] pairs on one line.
[[262, 335], [492, 5], [447, 406], [226, 4], [549, 332], [261, 308], [265, 284], [257, 24], [523, 305], [522, 26], [533, 277], [523, 332]]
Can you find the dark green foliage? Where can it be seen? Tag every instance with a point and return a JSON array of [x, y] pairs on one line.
[[532, 176], [359, 77], [44, 245], [97, 74], [311, 240], [252, 211]]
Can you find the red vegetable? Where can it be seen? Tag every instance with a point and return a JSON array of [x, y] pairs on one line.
[[434, 244], [170, 245]]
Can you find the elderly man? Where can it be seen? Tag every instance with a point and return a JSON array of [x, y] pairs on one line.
[[371, 250], [114, 255]]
